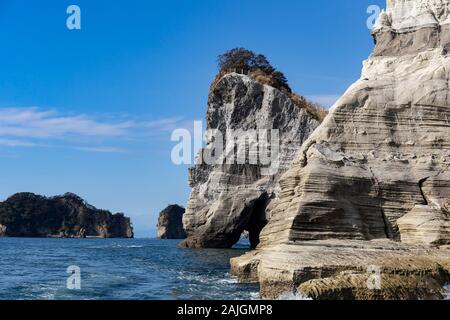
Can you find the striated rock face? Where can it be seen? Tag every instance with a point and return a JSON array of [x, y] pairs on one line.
[[379, 165], [230, 197], [67, 216], [383, 150], [170, 223]]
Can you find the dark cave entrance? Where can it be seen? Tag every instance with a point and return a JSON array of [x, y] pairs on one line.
[[257, 220]]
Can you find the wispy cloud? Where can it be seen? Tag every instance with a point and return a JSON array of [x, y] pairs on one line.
[[37, 123], [37, 127], [17, 143], [164, 124], [102, 149]]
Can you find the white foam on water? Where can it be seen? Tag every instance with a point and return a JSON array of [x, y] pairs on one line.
[[254, 296], [229, 281], [197, 278], [293, 296], [447, 292], [43, 292], [126, 247]]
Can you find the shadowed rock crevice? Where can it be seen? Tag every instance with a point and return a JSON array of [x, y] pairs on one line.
[[421, 183], [258, 220], [248, 214]]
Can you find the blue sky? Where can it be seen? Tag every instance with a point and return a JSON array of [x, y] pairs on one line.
[[91, 111]]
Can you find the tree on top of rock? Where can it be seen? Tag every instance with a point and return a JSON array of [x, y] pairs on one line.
[[257, 64], [238, 58]]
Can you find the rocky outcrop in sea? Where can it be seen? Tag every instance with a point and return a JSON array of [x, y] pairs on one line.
[[364, 211], [230, 197], [67, 216], [170, 223]]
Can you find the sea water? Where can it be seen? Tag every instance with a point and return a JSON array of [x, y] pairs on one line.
[[117, 269]]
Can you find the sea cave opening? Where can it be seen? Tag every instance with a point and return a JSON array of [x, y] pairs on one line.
[[257, 220]]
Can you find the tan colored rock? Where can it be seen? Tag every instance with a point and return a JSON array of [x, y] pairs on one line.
[[353, 286], [341, 269], [429, 224], [364, 167], [361, 170], [376, 171]]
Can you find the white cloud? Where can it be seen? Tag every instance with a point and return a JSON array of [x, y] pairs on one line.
[[36, 127], [102, 149], [17, 143], [37, 123], [164, 124]]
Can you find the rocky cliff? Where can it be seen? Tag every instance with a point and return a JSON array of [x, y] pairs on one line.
[[230, 197], [170, 223], [67, 216], [377, 171]]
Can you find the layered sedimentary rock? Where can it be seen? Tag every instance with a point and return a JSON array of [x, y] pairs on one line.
[[347, 269], [67, 216], [229, 197], [377, 168], [170, 223]]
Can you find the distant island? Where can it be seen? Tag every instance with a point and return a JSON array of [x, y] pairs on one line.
[[66, 216]]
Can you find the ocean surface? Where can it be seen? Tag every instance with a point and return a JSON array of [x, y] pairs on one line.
[[117, 269]]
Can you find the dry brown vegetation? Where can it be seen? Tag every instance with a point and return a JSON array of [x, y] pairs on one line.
[[316, 110], [258, 68]]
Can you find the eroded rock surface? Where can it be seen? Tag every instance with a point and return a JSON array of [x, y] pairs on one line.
[[377, 168], [170, 223], [228, 198], [345, 269]]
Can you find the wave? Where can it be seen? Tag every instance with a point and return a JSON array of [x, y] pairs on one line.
[[229, 281], [124, 269], [134, 246], [293, 296], [127, 246], [254, 295], [447, 292]]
